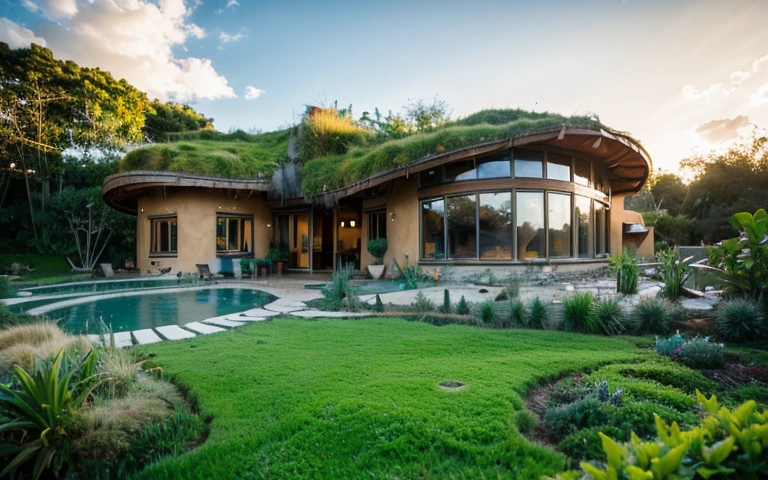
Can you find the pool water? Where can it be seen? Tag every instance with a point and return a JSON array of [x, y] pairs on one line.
[[158, 309], [99, 286]]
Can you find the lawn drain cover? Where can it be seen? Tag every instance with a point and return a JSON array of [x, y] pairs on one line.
[[452, 385]]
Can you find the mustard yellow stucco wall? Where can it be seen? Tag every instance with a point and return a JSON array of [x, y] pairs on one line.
[[641, 242], [196, 210]]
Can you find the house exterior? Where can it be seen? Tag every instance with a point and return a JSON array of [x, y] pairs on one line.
[[552, 200]]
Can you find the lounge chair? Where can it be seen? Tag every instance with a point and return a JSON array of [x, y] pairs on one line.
[[204, 271], [106, 269]]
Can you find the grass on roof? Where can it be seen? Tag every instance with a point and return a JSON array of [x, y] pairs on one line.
[[332, 399], [210, 153], [336, 171]]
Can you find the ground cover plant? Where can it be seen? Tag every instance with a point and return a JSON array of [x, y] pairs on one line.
[[294, 398]]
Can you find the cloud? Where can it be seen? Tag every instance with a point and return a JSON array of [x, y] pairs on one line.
[[252, 93], [717, 131], [735, 79], [227, 38], [17, 36], [760, 96], [230, 4], [693, 94], [135, 40]]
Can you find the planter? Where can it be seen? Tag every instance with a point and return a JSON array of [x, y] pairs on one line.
[[263, 271], [376, 271], [279, 268]]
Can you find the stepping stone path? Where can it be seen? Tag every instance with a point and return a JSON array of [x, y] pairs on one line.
[[174, 332], [285, 306], [203, 328], [146, 336], [123, 339], [224, 322]]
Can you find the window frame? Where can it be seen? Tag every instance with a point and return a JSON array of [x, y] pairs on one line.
[[373, 224], [154, 220], [239, 217]]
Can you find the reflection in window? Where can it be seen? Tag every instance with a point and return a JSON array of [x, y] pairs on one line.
[[600, 229], [583, 209], [494, 167], [432, 229], [530, 225], [462, 226], [430, 177], [559, 225], [528, 163], [558, 167], [233, 234], [164, 235], [496, 226], [581, 174], [459, 171]]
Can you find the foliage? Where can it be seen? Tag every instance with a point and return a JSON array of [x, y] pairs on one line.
[[118, 368], [583, 315], [674, 231], [170, 117], [488, 312], [674, 273], [585, 443], [40, 402], [740, 320], [329, 131], [447, 307], [669, 347], [538, 317], [726, 444], [341, 293], [624, 265], [463, 308], [5, 289], [653, 315], [171, 437], [25, 338], [525, 420], [699, 353], [423, 304], [379, 305], [411, 274], [518, 317], [609, 317], [384, 414], [669, 191], [377, 248]]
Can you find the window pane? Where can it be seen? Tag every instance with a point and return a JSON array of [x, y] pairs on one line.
[[462, 226], [558, 167], [496, 226], [245, 232], [164, 236], [530, 225], [432, 218], [232, 234], [430, 177], [600, 246], [583, 209], [495, 167], [377, 225], [559, 225], [581, 175], [174, 235], [458, 171], [221, 234], [528, 163]]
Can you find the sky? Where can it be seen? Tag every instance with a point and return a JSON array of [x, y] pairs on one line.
[[682, 76]]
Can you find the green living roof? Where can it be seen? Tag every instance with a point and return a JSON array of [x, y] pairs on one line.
[[244, 156]]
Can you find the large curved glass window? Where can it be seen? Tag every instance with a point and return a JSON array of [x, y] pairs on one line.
[[530, 225], [559, 225], [495, 226], [529, 163], [558, 167], [581, 173], [493, 167], [433, 229], [462, 226], [583, 214]]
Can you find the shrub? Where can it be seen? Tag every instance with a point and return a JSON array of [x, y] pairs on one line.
[[463, 307], [487, 312], [441, 319], [328, 131], [538, 318], [511, 289], [172, 436], [118, 367], [624, 265], [22, 344], [740, 320], [518, 317], [341, 294], [726, 444], [525, 420], [585, 444], [699, 353], [565, 419], [379, 305], [446, 308], [674, 272], [423, 304], [10, 319], [5, 289], [653, 315], [41, 406], [377, 248], [579, 313], [669, 347], [609, 315]]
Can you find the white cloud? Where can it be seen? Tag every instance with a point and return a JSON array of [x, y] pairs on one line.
[[230, 4], [760, 96], [693, 94], [135, 40], [735, 80], [17, 36], [722, 130], [52, 9], [229, 38], [252, 93]]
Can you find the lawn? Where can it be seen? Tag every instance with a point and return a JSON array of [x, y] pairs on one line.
[[360, 398]]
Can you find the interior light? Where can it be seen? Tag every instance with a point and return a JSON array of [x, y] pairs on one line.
[[352, 223], [13, 165], [269, 225], [342, 224], [392, 216]]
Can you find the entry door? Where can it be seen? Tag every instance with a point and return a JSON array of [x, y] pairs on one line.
[[302, 243]]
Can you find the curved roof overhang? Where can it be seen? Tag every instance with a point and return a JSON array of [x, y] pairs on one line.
[[121, 191], [628, 164]]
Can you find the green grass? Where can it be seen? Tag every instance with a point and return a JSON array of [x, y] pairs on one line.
[[46, 269], [360, 398], [211, 153]]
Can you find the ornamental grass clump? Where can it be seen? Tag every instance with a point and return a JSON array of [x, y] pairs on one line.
[[488, 312], [741, 320], [624, 265], [653, 315], [674, 272], [609, 317], [579, 313], [518, 317], [538, 315]]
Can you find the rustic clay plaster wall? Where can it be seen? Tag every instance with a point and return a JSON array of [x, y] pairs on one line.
[[642, 242], [196, 211]]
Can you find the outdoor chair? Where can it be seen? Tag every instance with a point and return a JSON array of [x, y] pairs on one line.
[[204, 271]]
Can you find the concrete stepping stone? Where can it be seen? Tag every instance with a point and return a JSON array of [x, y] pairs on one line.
[[146, 336], [123, 339], [258, 312], [223, 322], [322, 314], [203, 328], [94, 338], [285, 306], [238, 318], [174, 332]]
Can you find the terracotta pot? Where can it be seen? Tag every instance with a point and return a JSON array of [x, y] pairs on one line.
[[263, 271], [376, 271], [279, 268]]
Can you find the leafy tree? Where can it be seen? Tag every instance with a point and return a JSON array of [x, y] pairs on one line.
[[170, 117], [669, 192], [425, 116]]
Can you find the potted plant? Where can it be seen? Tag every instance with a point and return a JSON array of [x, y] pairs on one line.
[[377, 248], [261, 265], [283, 256], [273, 256]]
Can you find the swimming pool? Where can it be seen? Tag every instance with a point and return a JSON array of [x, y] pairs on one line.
[[134, 311], [97, 286]]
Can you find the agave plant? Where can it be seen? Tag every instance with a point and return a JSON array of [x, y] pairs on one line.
[[39, 404], [624, 265]]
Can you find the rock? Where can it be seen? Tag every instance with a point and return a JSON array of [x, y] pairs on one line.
[[706, 303]]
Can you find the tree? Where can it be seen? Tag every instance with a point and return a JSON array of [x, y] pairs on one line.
[[170, 117], [669, 192], [425, 116]]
